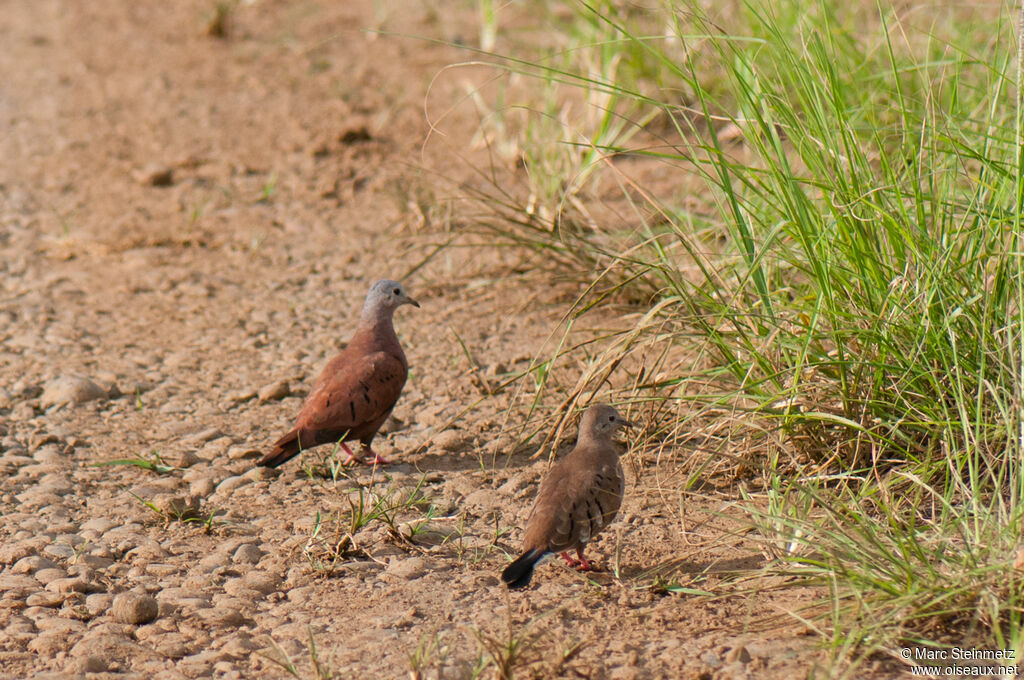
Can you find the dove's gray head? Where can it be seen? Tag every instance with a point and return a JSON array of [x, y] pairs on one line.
[[385, 297], [600, 421]]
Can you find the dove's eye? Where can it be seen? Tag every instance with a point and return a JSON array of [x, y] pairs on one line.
[[397, 291]]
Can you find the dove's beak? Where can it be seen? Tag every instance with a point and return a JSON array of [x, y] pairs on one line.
[[410, 301]]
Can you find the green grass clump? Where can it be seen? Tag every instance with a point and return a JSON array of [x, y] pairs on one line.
[[820, 210]]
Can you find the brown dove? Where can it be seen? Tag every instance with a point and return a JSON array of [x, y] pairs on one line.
[[579, 497], [357, 390]]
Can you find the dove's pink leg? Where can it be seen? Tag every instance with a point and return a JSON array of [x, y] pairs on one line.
[[377, 458], [351, 456], [568, 560], [584, 563]]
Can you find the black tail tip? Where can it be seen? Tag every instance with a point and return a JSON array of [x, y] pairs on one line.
[[518, 574]]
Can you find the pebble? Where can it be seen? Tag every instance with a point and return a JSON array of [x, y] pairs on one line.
[[44, 599], [409, 569], [481, 500], [262, 581], [158, 627], [57, 624], [94, 561], [212, 562], [739, 654], [89, 664], [203, 436], [257, 474], [100, 525], [155, 175], [172, 645], [449, 440], [274, 391], [202, 487], [134, 608], [239, 646], [32, 564], [176, 506], [111, 645], [70, 584], [98, 603], [247, 553], [182, 458], [18, 584], [242, 395], [244, 452], [22, 412], [216, 449], [711, 659], [50, 453], [70, 389], [44, 576], [222, 617], [232, 483], [48, 645]]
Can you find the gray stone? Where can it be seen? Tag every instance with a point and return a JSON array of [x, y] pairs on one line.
[[98, 603], [258, 474], [262, 581], [111, 645], [481, 500], [232, 483], [739, 654], [32, 564], [48, 645], [711, 659], [134, 608], [44, 599], [274, 391], [449, 440], [100, 525], [203, 436], [70, 584], [17, 583], [243, 452], [408, 569], [50, 453], [44, 576], [222, 617], [155, 175], [70, 389], [247, 553], [89, 664], [202, 487]]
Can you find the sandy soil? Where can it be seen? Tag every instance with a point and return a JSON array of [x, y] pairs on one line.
[[191, 222]]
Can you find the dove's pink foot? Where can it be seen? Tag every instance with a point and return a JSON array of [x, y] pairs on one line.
[[351, 456], [582, 564], [377, 458]]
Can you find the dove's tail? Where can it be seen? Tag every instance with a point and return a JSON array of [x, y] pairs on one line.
[[285, 448], [517, 575]]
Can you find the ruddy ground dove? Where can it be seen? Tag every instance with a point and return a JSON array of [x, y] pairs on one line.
[[580, 496], [357, 390]]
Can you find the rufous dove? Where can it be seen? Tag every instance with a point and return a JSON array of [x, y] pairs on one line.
[[357, 390]]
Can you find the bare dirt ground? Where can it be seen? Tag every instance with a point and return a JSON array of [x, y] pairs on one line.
[[191, 222]]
